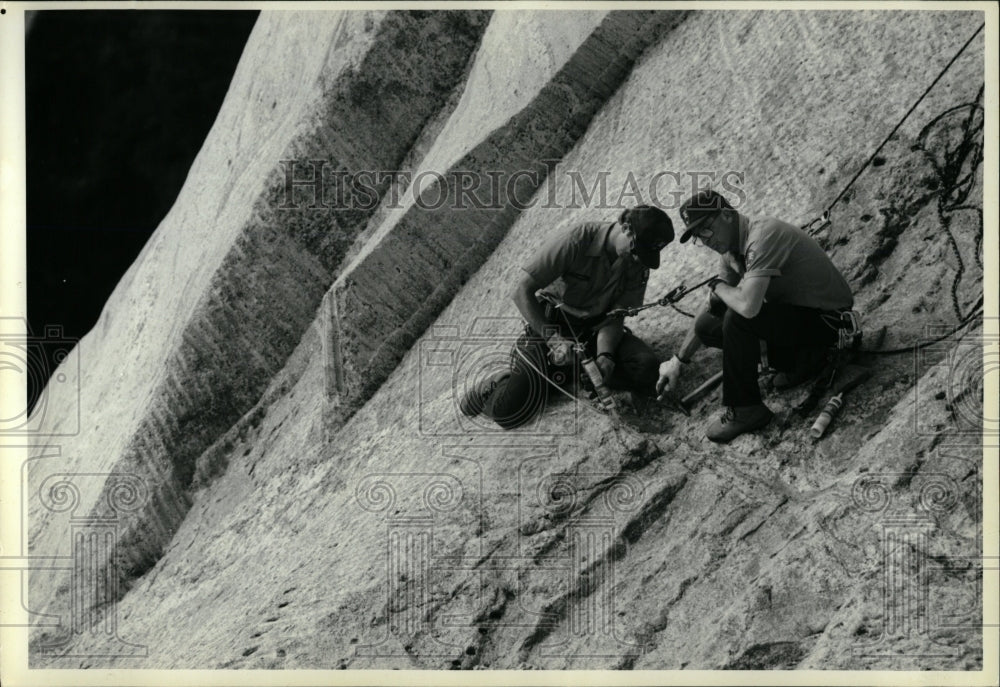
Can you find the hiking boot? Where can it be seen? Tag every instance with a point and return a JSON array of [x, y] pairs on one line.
[[475, 398], [737, 420], [809, 362]]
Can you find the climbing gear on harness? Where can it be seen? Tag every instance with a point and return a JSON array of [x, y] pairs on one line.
[[544, 376], [847, 323], [849, 332], [588, 364], [576, 346]]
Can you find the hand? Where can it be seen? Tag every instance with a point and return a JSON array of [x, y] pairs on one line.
[[560, 350], [606, 364], [670, 375]]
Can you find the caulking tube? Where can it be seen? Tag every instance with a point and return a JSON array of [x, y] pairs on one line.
[[830, 411], [594, 372]]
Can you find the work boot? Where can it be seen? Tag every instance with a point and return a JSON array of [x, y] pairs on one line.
[[737, 420], [809, 362], [475, 399]]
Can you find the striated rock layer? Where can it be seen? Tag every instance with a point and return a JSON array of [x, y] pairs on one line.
[[227, 285], [352, 518], [429, 248]]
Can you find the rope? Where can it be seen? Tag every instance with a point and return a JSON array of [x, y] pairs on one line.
[[977, 313], [550, 381], [682, 312], [819, 223], [673, 296], [826, 213], [949, 173], [613, 420]]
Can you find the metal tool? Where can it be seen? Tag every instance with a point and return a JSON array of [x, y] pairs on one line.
[[671, 297], [589, 365], [704, 388]]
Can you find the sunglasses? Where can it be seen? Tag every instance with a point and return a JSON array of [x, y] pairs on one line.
[[704, 232], [701, 236]]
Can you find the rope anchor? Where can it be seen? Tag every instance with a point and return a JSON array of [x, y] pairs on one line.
[[818, 224]]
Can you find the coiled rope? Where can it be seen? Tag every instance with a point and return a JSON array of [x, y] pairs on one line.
[[823, 220], [825, 217]]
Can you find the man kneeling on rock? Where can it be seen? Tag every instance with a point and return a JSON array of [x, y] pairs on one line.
[[777, 285], [565, 295]]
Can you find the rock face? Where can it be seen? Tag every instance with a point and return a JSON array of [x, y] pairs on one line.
[[428, 247], [222, 293], [293, 464]]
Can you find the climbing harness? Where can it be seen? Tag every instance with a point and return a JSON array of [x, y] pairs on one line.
[[588, 364], [847, 324], [611, 413], [548, 379]]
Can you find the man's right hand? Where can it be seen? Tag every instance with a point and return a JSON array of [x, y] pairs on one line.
[[560, 350], [670, 375]]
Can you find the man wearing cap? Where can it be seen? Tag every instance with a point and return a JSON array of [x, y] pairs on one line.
[[775, 284], [589, 270]]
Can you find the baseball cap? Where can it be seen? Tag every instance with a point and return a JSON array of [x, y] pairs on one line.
[[653, 230], [699, 209]]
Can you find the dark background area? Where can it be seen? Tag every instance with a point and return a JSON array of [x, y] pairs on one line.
[[118, 104]]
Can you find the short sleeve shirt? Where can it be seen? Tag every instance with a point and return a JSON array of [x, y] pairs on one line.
[[575, 268], [800, 270]]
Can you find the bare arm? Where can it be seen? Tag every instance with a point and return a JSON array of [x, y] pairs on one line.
[[745, 299], [531, 310], [689, 346]]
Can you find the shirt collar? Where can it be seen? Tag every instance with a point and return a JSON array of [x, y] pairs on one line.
[[597, 247]]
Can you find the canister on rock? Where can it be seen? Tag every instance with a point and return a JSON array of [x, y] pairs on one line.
[[830, 410]]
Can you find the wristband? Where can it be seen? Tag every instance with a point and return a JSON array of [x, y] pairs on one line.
[[682, 362]]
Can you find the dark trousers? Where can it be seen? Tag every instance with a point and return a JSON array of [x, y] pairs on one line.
[[523, 394], [786, 328]]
